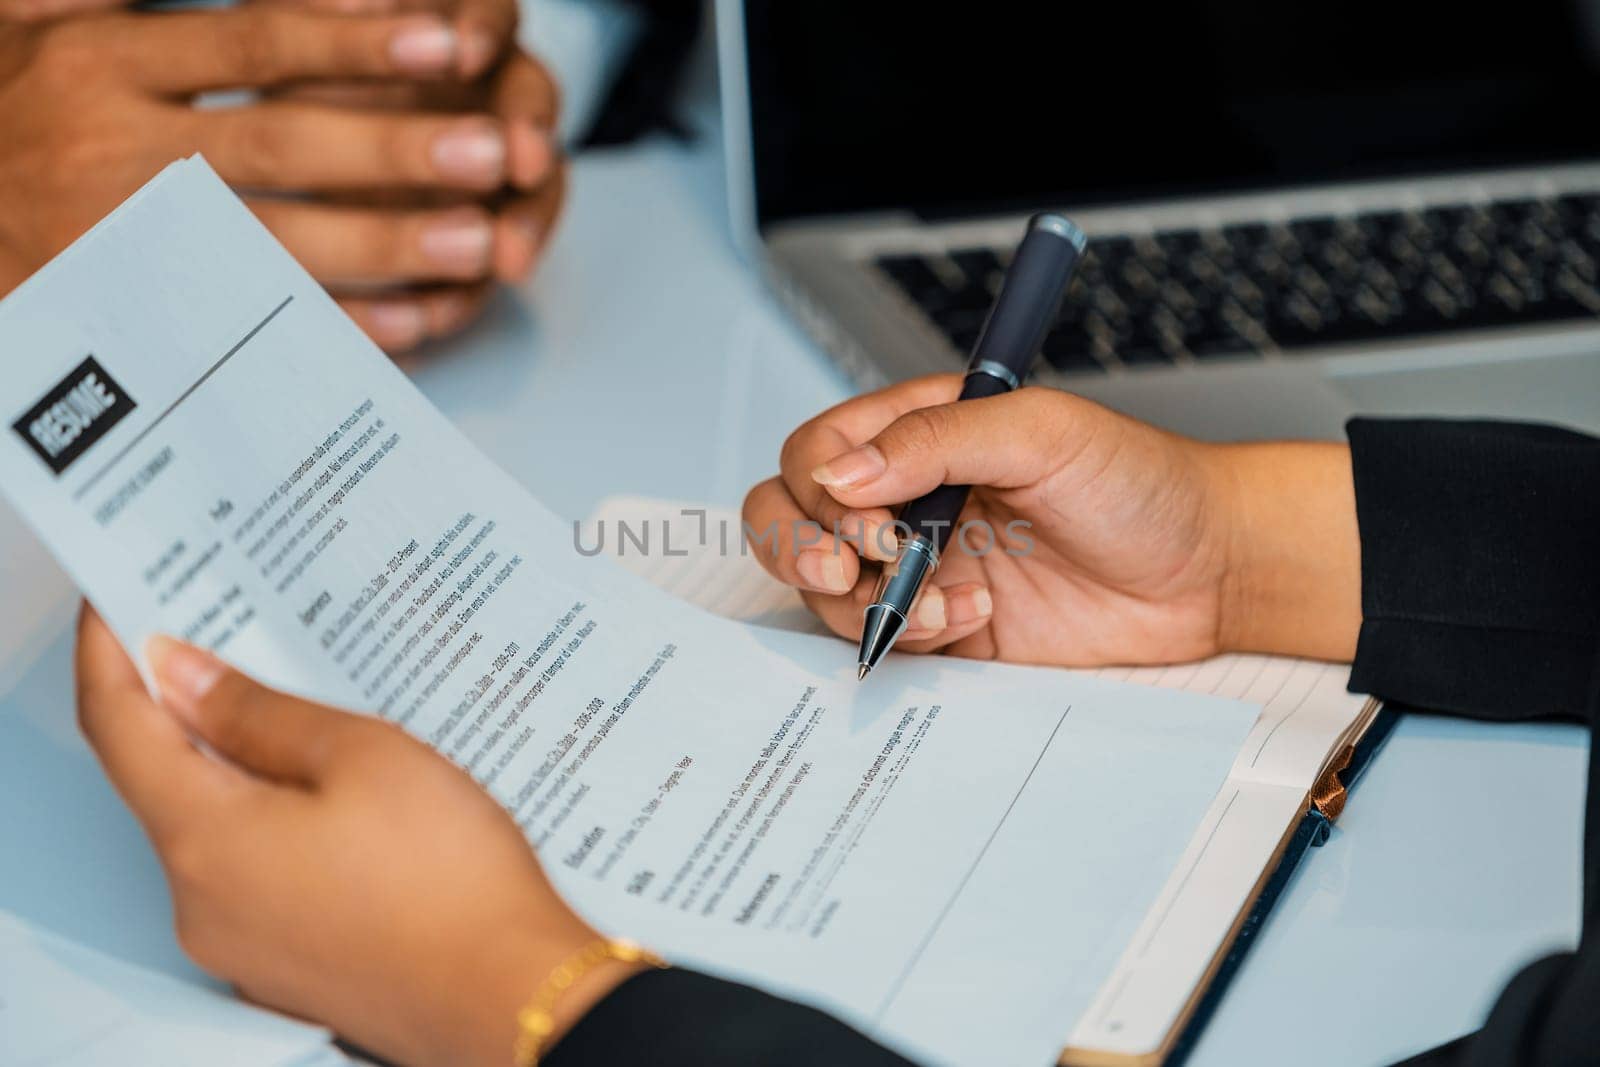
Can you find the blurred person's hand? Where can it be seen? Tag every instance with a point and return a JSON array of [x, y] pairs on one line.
[[1090, 538], [328, 864], [407, 213], [494, 75], [485, 29]]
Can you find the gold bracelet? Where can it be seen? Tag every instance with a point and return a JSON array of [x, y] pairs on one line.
[[536, 1021]]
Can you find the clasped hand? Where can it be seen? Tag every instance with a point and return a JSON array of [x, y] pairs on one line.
[[403, 153]]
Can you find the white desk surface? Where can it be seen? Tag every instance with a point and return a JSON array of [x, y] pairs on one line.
[[646, 358]]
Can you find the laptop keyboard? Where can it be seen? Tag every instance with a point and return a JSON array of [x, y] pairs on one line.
[[1238, 291]]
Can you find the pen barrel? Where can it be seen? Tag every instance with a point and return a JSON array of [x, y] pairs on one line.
[[900, 583], [1030, 296], [936, 515], [1024, 310]]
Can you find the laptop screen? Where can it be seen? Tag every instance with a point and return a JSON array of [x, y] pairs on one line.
[[1006, 105]]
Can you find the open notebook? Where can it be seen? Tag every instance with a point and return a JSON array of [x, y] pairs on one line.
[[1293, 763]]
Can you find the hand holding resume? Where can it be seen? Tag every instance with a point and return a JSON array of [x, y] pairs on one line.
[[214, 451]]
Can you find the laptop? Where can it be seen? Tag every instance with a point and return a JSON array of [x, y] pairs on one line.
[[1296, 214]]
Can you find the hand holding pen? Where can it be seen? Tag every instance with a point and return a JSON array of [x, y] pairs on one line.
[[1127, 555], [1023, 311]]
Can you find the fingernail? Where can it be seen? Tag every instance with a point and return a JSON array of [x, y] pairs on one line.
[[425, 47], [853, 469], [822, 569], [879, 540], [532, 153], [519, 250], [969, 606], [529, 230], [460, 243], [400, 325], [477, 51], [471, 152], [929, 614], [185, 674], [531, 236]]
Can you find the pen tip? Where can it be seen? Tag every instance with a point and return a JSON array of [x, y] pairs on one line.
[[861, 671]]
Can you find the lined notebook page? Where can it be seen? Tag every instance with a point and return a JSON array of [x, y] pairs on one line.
[[1306, 712], [1306, 718]]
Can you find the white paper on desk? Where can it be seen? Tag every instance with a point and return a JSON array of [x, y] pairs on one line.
[[951, 838], [63, 1005]]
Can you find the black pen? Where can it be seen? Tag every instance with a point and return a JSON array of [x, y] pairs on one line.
[[1023, 311]]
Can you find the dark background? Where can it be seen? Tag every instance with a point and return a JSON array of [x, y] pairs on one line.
[[999, 104]]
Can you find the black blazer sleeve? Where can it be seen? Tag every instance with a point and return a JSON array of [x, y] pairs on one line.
[[678, 1018], [1480, 566], [1480, 590]]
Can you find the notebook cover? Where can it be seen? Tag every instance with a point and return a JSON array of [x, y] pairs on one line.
[[1312, 832]]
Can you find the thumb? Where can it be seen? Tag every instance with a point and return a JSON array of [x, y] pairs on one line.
[[1004, 441], [268, 733]]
